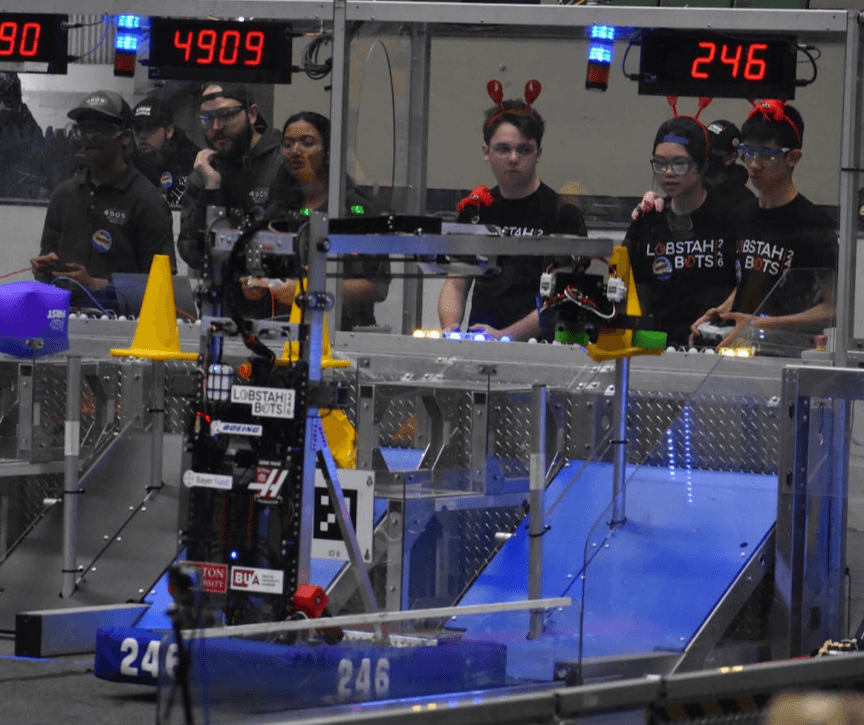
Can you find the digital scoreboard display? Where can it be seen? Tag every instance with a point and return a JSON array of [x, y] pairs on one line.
[[34, 40], [252, 52], [717, 65]]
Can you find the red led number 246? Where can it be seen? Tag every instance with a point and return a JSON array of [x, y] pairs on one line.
[[754, 67]]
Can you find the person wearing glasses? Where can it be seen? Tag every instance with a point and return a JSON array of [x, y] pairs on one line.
[[504, 305], [234, 171], [683, 258], [164, 154], [780, 230], [306, 161], [108, 218]]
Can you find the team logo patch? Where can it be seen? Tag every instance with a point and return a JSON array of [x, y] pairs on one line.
[[167, 180], [662, 268], [218, 427], [116, 216], [267, 581], [214, 577], [193, 479], [57, 320], [102, 241], [268, 482]]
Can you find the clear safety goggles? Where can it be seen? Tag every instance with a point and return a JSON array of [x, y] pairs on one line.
[[677, 166], [95, 134], [223, 116], [749, 154]]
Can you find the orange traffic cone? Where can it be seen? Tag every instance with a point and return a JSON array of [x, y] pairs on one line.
[[156, 337]]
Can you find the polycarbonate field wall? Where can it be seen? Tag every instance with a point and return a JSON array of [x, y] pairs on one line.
[[472, 435], [417, 30]]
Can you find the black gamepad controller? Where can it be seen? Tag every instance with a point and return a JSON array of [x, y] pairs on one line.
[[45, 269]]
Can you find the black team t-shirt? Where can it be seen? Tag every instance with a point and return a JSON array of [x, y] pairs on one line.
[[795, 236], [683, 264], [505, 298]]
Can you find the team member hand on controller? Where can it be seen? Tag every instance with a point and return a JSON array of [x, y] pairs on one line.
[[47, 268], [779, 232], [733, 321], [504, 305], [108, 218]]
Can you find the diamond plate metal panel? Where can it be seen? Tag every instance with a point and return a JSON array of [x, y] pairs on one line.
[[707, 432], [477, 529], [177, 407], [394, 408], [99, 405], [453, 549], [510, 431], [26, 498]]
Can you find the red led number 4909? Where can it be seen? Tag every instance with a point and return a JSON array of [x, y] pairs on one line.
[[225, 48]]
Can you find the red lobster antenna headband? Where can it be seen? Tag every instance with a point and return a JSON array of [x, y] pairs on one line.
[[704, 101], [496, 93], [773, 109]]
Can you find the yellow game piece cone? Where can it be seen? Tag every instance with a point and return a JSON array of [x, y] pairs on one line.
[[156, 337], [341, 437], [291, 352]]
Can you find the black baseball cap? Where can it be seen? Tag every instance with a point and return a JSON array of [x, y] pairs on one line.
[[103, 103], [238, 91], [724, 136], [152, 112]]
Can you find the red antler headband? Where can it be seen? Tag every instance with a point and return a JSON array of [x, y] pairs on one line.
[[773, 109], [496, 93], [703, 104]]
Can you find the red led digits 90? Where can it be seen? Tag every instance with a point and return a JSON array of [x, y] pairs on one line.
[[225, 48], [751, 66], [19, 40]]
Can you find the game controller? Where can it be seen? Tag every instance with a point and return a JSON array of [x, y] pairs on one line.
[[712, 331], [266, 282], [45, 269]]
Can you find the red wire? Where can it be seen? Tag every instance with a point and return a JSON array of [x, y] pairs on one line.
[[12, 274]]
